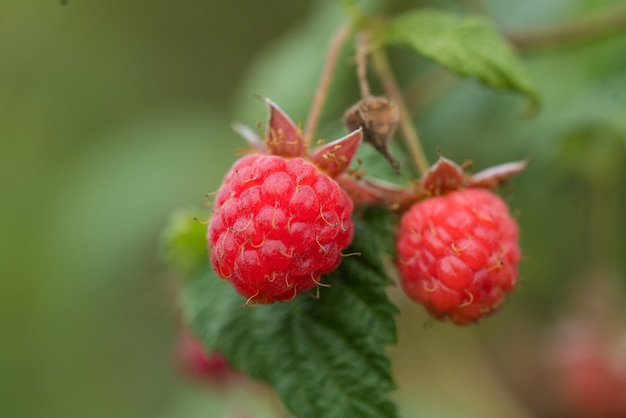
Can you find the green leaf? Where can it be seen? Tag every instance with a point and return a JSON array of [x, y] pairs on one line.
[[378, 167], [183, 241], [325, 357], [595, 149], [469, 46]]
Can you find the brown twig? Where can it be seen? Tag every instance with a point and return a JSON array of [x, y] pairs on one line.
[[332, 56], [361, 64], [587, 28], [474, 6], [411, 137], [427, 88]]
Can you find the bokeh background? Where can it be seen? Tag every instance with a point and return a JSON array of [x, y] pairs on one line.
[[113, 114]]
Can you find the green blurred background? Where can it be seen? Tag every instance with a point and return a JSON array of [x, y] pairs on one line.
[[113, 114]]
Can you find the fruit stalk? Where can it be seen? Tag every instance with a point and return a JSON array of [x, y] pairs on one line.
[[411, 137], [361, 65], [593, 26], [336, 44]]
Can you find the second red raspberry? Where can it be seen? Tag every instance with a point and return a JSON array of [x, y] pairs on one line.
[[458, 254], [278, 225]]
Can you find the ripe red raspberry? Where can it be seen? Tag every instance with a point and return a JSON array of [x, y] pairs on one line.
[[278, 225], [589, 373], [195, 361], [458, 254]]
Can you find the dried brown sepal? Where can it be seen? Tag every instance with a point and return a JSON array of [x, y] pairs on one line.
[[283, 137], [335, 158], [378, 117], [250, 136], [494, 176], [378, 193], [444, 176]]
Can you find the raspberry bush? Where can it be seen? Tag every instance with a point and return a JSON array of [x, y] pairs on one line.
[[311, 248]]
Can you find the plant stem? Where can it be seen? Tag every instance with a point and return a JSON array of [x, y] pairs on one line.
[[474, 6], [361, 64], [590, 27], [338, 40], [427, 88], [599, 225], [411, 137]]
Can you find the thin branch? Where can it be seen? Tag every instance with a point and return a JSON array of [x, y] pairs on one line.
[[474, 6], [332, 56], [601, 24], [361, 64], [411, 137], [427, 88]]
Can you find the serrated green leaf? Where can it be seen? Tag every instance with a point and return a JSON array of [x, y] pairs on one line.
[[325, 357], [380, 224], [469, 46]]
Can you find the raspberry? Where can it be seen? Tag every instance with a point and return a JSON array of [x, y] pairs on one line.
[[195, 361], [279, 224], [458, 254], [589, 374]]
